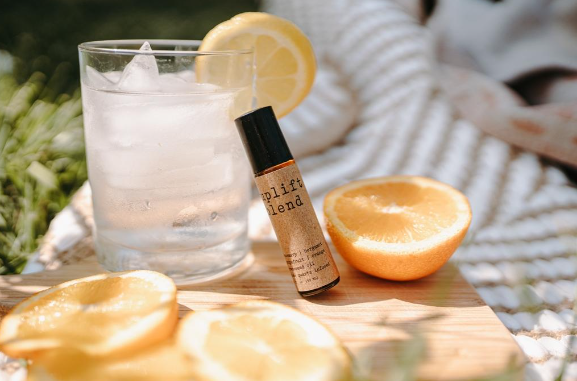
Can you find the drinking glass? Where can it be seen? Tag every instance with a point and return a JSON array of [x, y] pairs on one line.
[[169, 177]]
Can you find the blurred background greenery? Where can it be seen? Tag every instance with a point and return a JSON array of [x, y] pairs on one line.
[[43, 35], [41, 138]]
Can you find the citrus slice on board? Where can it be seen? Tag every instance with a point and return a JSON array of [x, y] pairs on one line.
[[162, 361], [398, 227], [284, 60], [99, 315], [260, 340]]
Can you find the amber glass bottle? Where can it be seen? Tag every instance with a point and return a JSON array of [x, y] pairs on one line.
[[287, 202]]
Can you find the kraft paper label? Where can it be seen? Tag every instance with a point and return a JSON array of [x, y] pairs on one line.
[[296, 226]]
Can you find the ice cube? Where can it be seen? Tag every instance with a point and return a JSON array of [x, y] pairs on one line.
[[153, 120], [205, 88], [187, 75], [97, 80], [172, 83], [184, 82], [146, 161], [141, 74], [143, 168], [113, 76]]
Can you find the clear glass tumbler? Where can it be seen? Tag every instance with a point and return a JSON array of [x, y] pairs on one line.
[[169, 177]]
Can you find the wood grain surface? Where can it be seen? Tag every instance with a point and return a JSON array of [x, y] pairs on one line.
[[437, 327]]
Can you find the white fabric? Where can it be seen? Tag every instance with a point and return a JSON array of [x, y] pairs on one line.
[[509, 39]]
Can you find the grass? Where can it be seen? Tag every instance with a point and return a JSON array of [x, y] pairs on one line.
[[42, 161]]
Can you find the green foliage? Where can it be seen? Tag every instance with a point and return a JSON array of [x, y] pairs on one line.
[[42, 161]]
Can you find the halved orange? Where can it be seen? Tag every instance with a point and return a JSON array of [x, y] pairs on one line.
[[398, 227], [99, 315]]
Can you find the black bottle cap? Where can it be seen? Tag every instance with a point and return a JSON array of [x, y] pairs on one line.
[[262, 139]]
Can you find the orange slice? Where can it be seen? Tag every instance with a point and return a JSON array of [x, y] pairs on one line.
[[398, 227], [260, 340], [99, 315], [163, 361], [283, 56]]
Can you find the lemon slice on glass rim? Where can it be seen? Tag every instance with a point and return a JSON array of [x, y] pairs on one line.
[[284, 60]]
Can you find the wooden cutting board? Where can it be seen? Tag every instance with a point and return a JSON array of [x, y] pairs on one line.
[[437, 327]]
